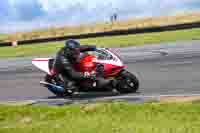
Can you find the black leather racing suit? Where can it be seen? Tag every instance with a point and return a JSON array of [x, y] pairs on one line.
[[63, 65]]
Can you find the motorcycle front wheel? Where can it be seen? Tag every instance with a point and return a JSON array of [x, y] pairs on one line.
[[127, 83]]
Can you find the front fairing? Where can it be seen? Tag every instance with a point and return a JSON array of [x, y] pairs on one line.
[[111, 62]]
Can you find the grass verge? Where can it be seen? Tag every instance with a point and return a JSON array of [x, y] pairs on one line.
[[117, 41], [102, 118]]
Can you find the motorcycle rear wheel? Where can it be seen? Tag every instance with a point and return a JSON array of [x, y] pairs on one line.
[[127, 83]]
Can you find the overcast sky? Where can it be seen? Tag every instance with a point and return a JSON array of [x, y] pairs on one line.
[[18, 15]]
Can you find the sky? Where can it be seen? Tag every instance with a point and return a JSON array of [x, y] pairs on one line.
[[23, 15]]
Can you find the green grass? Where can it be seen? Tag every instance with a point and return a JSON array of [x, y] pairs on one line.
[[30, 50], [142, 39], [3, 37], [117, 41], [102, 118]]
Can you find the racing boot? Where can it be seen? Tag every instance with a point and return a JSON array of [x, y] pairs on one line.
[[70, 88], [113, 84]]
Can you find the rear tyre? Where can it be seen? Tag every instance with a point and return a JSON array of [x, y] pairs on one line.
[[127, 83]]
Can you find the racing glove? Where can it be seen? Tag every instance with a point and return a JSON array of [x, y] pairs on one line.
[[90, 75]]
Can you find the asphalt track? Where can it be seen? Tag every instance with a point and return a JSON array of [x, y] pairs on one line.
[[166, 69]]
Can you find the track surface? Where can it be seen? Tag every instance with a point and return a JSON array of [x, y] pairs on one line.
[[162, 70]]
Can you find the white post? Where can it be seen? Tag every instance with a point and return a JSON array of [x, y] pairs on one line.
[[14, 43]]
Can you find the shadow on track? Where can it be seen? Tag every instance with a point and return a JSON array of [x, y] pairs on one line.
[[85, 98]]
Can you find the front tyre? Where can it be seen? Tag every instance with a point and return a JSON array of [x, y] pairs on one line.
[[127, 82]]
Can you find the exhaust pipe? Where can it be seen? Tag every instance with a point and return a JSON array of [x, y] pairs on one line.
[[53, 88]]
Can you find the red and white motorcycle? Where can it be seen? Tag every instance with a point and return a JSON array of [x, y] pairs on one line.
[[100, 61]]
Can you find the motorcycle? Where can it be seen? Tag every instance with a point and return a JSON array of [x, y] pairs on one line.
[[102, 62]]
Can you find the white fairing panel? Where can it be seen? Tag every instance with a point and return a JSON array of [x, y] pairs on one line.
[[115, 61], [42, 64]]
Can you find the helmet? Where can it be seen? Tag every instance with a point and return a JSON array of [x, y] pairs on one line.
[[72, 44], [73, 48]]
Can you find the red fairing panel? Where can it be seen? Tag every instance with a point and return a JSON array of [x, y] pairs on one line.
[[87, 64], [111, 70]]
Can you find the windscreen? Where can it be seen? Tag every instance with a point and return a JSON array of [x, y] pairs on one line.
[[101, 54]]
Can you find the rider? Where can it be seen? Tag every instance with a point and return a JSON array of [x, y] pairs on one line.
[[68, 56]]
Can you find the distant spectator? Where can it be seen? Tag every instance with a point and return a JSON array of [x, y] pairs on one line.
[[113, 17]]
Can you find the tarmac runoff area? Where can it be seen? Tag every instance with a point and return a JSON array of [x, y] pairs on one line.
[[167, 72]]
